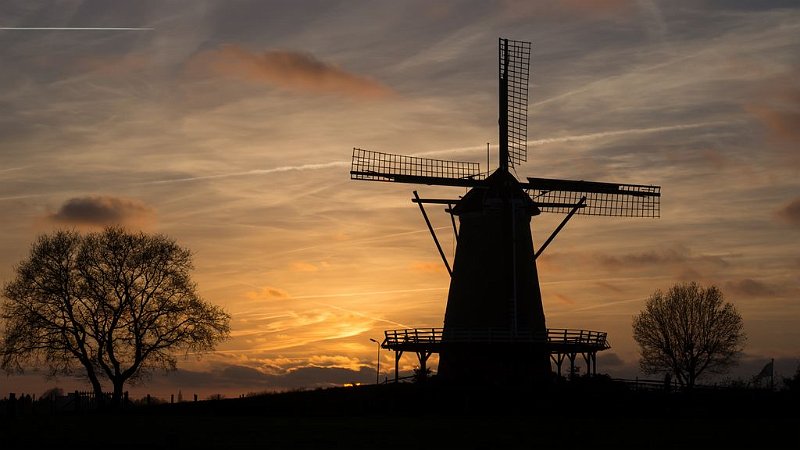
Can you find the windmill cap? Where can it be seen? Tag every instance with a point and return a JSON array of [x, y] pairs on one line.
[[494, 193]]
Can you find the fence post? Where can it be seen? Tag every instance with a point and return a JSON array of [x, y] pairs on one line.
[[195, 397], [171, 398], [148, 399]]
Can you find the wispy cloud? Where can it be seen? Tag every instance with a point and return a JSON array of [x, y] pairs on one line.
[[289, 70]]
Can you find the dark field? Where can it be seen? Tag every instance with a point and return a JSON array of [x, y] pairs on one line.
[[412, 416]]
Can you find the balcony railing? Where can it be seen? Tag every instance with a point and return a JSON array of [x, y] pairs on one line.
[[435, 336]]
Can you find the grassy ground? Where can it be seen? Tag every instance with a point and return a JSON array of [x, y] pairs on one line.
[[403, 417]]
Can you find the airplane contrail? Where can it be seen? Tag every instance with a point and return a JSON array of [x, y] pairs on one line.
[[77, 28], [591, 85], [254, 172], [360, 240], [355, 294], [602, 134], [357, 313], [587, 137]]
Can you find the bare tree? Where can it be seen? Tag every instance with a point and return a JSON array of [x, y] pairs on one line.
[[689, 331], [107, 305]]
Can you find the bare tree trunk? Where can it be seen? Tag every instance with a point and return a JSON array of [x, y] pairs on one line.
[[116, 398], [99, 399]]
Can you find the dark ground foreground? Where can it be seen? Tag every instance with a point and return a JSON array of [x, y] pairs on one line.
[[578, 415]]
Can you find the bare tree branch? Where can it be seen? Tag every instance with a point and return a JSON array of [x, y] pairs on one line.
[[688, 332], [115, 303]]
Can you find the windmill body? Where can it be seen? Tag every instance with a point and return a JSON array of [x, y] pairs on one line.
[[494, 289], [494, 325]]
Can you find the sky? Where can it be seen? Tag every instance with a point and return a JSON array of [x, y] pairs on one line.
[[229, 126]]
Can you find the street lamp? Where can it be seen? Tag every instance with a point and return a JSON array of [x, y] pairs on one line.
[[378, 371]]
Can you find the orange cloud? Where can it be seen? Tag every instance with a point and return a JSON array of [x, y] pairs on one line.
[[100, 211], [778, 107], [294, 71], [784, 125], [428, 267], [790, 213], [301, 266], [267, 293], [564, 299]]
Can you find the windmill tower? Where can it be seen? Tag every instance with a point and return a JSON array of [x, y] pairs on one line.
[[494, 325]]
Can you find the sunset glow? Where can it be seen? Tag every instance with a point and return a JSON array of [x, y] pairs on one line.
[[229, 126]]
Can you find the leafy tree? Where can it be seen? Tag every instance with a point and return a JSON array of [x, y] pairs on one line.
[[689, 331], [107, 305]]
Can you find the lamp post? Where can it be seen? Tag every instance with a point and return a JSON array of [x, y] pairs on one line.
[[378, 370]]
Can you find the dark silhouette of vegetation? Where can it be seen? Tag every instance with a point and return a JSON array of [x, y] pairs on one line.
[[106, 305], [420, 376], [689, 331], [793, 383]]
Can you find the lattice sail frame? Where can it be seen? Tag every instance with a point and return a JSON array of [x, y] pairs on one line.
[[602, 199], [378, 166], [517, 74]]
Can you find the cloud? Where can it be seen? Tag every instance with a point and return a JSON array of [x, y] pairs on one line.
[[608, 286], [610, 360], [427, 267], [302, 266], [784, 125], [596, 6], [239, 377], [664, 256], [778, 107], [790, 213], [293, 71], [750, 287], [587, 8], [267, 293], [103, 210], [115, 65], [564, 299]]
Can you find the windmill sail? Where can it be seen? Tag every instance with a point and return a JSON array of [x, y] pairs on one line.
[[602, 199], [515, 59], [377, 166]]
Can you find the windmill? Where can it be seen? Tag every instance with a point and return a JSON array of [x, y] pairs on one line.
[[494, 325]]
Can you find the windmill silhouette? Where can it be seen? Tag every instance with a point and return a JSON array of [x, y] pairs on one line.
[[494, 325]]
